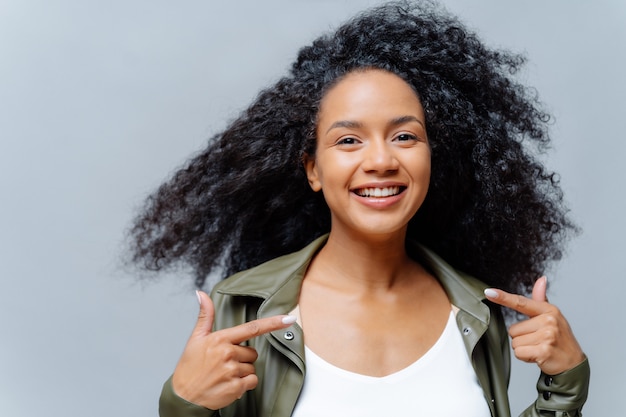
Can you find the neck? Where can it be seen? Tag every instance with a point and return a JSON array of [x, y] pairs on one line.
[[374, 264]]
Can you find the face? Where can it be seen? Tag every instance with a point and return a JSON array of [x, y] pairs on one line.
[[373, 158]]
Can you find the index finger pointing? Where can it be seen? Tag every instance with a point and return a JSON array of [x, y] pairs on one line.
[[254, 328], [517, 302]]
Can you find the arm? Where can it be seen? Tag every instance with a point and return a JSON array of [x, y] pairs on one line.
[[215, 370], [547, 340], [561, 395], [171, 405]]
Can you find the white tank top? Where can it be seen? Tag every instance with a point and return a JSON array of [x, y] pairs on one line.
[[440, 383]]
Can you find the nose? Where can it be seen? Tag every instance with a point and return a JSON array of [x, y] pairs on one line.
[[379, 157]]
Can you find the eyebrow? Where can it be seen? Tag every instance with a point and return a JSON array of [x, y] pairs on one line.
[[345, 123], [350, 124], [405, 119]]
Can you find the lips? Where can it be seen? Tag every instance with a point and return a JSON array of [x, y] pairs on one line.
[[377, 192]]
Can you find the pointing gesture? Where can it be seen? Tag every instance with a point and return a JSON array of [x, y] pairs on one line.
[[545, 338], [214, 370]]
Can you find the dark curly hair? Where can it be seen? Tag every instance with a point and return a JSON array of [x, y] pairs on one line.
[[492, 209]]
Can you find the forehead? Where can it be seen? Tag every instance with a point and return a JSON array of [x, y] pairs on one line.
[[369, 92]]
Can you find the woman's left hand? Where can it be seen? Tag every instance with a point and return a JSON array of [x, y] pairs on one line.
[[545, 338]]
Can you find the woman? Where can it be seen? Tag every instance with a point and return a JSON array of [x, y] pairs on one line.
[[393, 144]]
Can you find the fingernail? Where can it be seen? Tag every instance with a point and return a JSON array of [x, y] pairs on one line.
[[491, 293], [199, 298], [289, 319]]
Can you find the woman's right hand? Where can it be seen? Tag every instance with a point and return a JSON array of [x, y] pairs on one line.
[[214, 369]]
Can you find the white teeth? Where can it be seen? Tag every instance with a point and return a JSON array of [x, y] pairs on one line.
[[378, 192]]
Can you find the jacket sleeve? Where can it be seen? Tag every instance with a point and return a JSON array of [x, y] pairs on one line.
[[171, 405], [561, 395]]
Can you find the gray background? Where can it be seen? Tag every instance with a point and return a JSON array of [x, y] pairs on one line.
[[100, 100]]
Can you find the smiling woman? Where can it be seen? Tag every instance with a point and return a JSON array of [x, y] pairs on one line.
[[394, 143], [372, 153]]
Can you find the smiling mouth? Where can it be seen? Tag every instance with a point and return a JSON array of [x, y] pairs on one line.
[[379, 192]]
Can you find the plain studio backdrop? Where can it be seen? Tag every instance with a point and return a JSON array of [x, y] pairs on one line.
[[101, 100]]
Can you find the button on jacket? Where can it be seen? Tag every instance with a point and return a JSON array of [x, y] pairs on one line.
[[273, 289]]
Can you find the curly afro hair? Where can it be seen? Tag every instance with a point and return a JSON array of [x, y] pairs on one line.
[[492, 209]]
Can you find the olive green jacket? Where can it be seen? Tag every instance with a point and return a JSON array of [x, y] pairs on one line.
[[273, 288]]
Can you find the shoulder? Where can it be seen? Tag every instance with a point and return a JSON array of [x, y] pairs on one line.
[[266, 278], [269, 289], [466, 293]]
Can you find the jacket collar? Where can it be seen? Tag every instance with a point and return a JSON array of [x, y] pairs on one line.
[[464, 291], [278, 281]]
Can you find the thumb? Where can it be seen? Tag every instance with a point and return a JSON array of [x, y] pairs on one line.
[[539, 289], [205, 316]]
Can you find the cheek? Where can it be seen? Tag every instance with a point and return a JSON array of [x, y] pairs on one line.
[[427, 169], [421, 167], [336, 170]]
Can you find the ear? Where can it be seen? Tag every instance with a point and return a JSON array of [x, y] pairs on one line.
[[311, 173]]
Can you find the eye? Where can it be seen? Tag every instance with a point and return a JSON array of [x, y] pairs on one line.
[[405, 137], [348, 140]]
